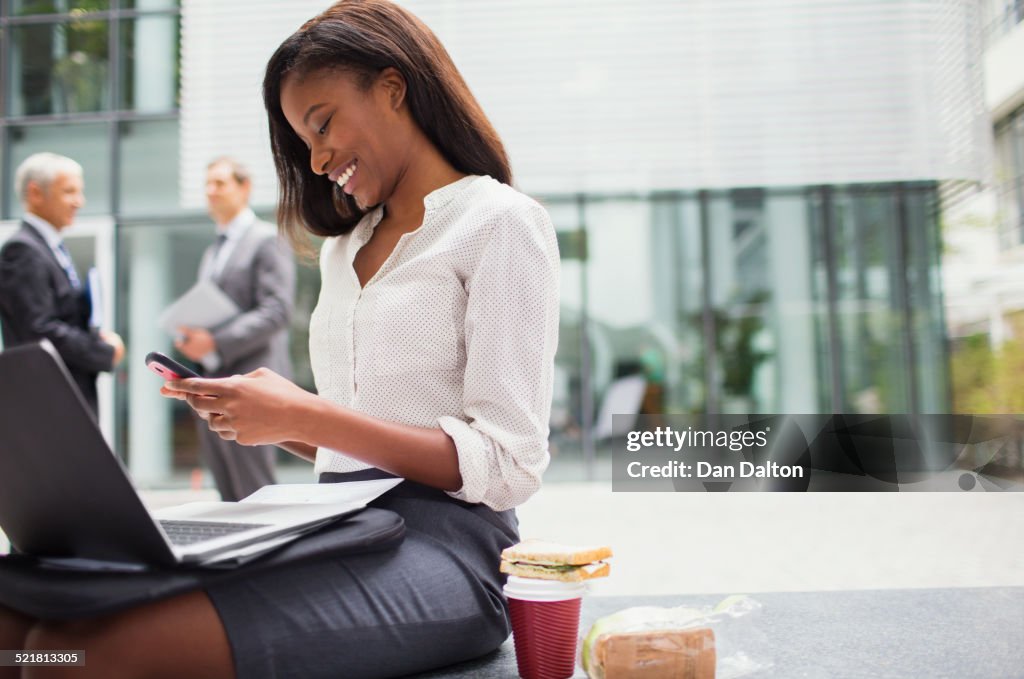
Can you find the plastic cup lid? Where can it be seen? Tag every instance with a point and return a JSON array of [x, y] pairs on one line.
[[535, 589]]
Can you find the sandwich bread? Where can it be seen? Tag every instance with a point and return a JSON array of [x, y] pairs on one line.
[[657, 654], [545, 560]]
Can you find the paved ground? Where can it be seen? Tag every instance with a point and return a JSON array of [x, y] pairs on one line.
[[785, 542], [749, 542]]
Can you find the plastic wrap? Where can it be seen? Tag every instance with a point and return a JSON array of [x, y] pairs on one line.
[[647, 642]]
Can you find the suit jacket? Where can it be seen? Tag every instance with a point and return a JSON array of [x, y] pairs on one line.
[[37, 300], [259, 275]]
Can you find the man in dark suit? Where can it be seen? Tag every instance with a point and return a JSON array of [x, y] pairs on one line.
[[41, 295], [256, 269]]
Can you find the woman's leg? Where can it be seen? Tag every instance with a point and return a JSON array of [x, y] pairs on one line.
[[433, 600], [178, 637], [14, 628]]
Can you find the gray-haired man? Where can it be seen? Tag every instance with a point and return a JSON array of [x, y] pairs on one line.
[[41, 295]]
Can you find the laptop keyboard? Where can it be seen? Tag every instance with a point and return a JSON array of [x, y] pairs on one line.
[[189, 532]]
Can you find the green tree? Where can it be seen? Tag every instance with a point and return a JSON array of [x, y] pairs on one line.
[[987, 380]]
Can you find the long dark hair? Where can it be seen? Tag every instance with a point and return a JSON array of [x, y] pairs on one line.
[[363, 37]]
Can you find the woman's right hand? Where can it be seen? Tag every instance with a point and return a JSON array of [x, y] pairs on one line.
[[254, 409]]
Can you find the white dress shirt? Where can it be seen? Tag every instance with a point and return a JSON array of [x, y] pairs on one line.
[[52, 237], [233, 232], [457, 330]]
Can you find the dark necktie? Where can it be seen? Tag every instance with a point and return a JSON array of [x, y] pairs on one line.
[[211, 270], [69, 267]]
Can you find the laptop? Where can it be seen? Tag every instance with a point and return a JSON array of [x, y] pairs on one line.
[[66, 498]]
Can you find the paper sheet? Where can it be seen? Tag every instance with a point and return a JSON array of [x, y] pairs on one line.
[[359, 492]]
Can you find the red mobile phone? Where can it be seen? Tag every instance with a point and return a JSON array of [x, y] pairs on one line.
[[167, 367]]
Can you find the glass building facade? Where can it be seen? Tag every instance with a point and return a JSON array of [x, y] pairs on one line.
[[808, 300], [101, 79], [801, 299]]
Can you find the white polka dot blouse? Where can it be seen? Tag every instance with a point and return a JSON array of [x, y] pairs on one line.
[[457, 330]]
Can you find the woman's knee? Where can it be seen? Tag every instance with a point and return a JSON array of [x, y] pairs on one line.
[[173, 638], [49, 637], [14, 627]]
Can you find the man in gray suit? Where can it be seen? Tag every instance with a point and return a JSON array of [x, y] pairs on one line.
[[255, 269]]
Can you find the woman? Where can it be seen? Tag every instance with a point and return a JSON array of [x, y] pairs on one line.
[[432, 346]]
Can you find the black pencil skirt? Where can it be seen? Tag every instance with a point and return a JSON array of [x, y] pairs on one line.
[[434, 600]]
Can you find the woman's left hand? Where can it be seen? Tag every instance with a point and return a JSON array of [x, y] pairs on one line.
[[253, 409]]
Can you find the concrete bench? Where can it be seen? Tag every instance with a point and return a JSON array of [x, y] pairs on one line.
[[969, 632]]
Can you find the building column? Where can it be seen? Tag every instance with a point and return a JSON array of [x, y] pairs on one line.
[[149, 413]]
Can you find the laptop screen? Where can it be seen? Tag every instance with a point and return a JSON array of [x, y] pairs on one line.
[[63, 493]]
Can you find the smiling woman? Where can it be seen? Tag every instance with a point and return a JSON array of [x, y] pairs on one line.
[[432, 346], [388, 56]]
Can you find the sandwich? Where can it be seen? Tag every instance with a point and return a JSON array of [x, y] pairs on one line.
[[648, 642], [656, 654], [554, 561]]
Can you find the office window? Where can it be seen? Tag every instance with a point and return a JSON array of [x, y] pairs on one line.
[[149, 167], [59, 68], [149, 66], [677, 269], [870, 298], [87, 143], [26, 7], [58, 63], [644, 281], [762, 306]]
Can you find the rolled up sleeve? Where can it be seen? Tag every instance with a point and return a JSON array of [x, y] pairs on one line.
[[511, 333]]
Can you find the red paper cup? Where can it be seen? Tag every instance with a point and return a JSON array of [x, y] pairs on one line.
[[545, 626]]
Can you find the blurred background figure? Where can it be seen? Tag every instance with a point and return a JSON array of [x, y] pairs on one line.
[[41, 293], [256, 270]]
